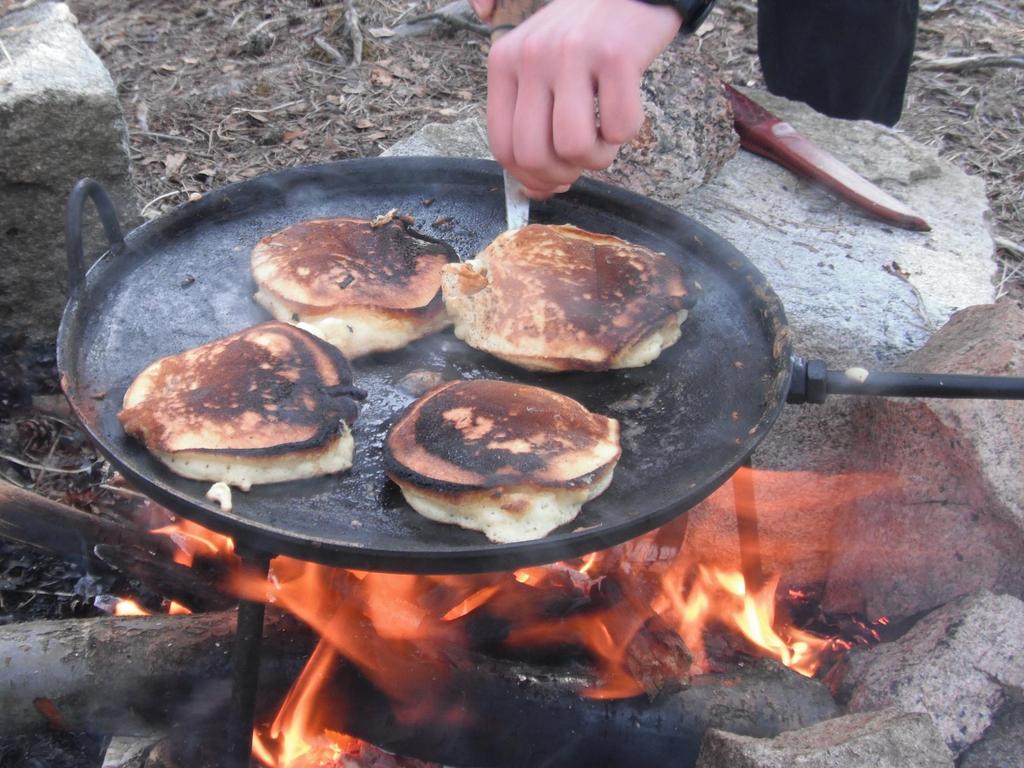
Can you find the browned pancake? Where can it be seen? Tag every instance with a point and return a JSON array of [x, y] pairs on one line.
[[510, 460], [485, 434], [272, 390], [560, 298], [366, 288]]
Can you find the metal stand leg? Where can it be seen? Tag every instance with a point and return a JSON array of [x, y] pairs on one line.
[[746, 525], [245, 669]]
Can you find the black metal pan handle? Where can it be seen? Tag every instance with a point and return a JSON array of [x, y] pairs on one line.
[[87, 188], [812, 382]]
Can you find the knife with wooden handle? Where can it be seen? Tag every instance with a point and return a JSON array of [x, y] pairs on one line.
[[765, 134], [507, 14]]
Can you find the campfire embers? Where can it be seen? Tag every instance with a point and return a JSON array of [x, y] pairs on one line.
[[622, 657], [457, 654], [402, 657]]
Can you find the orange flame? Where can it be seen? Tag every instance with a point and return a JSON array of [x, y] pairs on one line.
[[130, 608], [471, 603], [192, 539], [395, 628], [722, 596], [294, 732]]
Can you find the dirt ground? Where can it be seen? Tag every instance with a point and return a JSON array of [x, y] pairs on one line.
[[218, 91]]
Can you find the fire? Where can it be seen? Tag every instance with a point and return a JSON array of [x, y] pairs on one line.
[[401, 632], [471, 603], [295, 731], [130, 608], [193, 540], [722, 596]]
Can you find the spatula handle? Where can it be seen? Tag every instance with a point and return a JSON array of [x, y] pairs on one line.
[[509, 13]]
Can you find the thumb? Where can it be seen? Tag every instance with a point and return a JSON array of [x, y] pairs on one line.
[[483, 8]]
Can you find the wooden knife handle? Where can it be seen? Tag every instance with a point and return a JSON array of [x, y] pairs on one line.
[[509, 13]]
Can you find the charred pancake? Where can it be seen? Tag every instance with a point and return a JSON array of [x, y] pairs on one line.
[[511, 460], [366, 286], [268, 404], [558, 298]]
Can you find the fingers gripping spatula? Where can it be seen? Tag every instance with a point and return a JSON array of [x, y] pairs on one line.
[[507, 14]]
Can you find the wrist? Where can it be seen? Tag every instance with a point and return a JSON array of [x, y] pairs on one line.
[[692, 13]]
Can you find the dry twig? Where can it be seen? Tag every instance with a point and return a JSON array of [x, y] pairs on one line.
[[329, 49], [157, 199], [968, 63], [933, 8], [33, 465], [355, 35], [1005, 244]]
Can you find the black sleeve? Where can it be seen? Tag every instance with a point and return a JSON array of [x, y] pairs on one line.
[[846, 58]]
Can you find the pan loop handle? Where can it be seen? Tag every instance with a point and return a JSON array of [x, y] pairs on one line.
[[87, 188]]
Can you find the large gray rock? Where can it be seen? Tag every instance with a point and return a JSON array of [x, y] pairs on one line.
[[954, 523], [1002, 746], [887, 739], [856, 292], [60, 120], [831, 264], [960, 664], [463, 138]]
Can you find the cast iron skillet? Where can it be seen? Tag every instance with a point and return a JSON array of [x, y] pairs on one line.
[[688, 420]]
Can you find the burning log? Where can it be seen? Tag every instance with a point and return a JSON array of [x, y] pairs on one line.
[[30, 519], [519, 714], [91, 542], [658, 658], [134, 676], [193, 588]]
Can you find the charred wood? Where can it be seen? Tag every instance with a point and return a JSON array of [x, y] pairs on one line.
[[134, 676], [515, 714], [97, 543], [198, 590], [658, 658], [30, 519]]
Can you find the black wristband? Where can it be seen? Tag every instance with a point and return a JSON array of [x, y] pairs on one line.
[[693, 12]]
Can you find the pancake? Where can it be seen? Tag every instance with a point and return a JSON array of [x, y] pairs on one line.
[[507, 459], [268, 404], [558, 298], [366, 286]]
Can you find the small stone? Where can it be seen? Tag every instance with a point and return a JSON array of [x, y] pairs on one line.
[[960, 664], [887, 739], [463, 138]]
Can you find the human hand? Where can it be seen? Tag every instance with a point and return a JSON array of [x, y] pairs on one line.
[[544, 77]]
